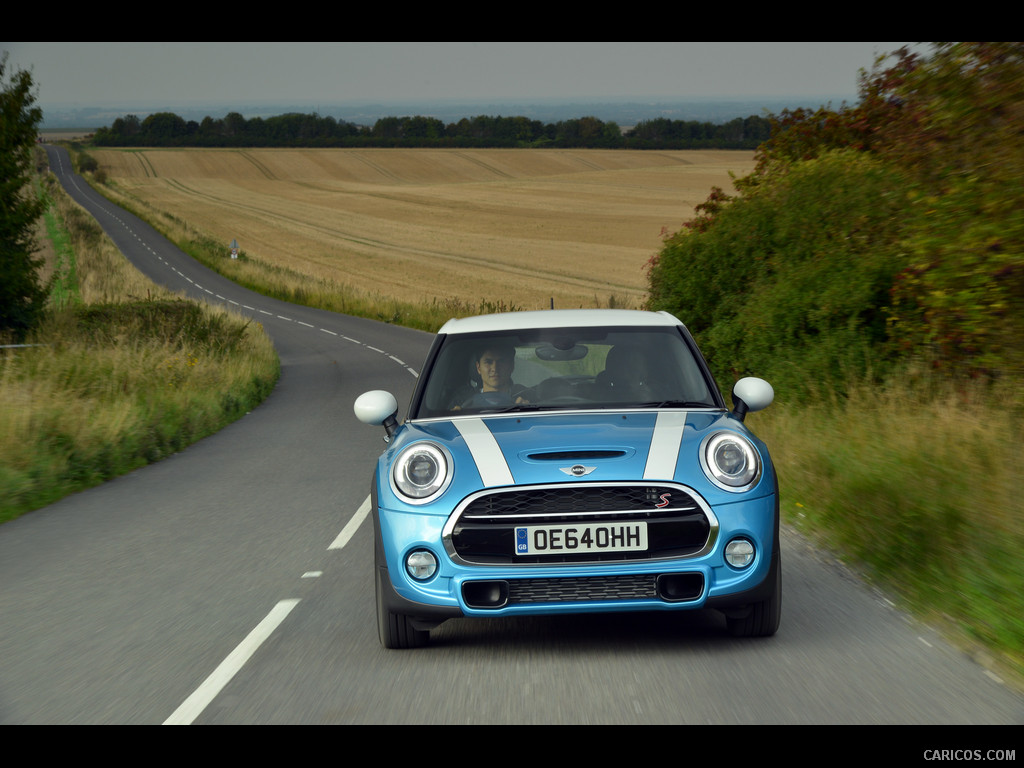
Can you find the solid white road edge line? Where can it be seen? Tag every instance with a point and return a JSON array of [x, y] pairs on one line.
[[193, 706]]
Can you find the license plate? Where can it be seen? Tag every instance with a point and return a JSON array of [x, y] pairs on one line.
[[563, 539]]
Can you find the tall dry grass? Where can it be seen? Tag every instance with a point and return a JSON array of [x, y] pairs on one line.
[[918, 483]]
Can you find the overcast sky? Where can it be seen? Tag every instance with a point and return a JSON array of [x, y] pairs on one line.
[[113, 74]]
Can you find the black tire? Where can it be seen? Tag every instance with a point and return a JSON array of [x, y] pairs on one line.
[[764, 617], [395, 630]]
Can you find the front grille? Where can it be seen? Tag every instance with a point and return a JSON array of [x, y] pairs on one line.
[[482, 528], [574, 499]]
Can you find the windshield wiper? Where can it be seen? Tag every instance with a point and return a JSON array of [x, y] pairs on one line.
[[524, 407]]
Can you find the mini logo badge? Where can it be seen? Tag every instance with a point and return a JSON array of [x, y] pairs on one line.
[[577, 470]]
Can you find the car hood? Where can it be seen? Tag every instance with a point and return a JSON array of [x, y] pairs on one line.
[[606, 446]]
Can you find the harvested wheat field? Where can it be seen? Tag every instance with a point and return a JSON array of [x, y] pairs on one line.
[[521, 227]]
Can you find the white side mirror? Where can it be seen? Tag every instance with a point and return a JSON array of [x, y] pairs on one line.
[[751, 394], [376, 408]]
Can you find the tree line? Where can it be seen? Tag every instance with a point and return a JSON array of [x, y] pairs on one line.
[[166, 129]]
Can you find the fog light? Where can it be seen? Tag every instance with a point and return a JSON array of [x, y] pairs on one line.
[[739, 553], [421, 564]]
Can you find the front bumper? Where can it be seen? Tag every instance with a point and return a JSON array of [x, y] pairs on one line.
[[681, 583]]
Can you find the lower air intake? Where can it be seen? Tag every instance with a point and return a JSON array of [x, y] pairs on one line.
[[667, 587]]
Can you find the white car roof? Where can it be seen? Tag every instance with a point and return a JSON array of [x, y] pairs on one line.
[[558, 318]]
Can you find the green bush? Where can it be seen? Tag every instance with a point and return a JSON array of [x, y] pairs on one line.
[[792, 282]]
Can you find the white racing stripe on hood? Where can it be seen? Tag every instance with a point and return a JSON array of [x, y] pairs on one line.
[[668, 434], [490, 461]]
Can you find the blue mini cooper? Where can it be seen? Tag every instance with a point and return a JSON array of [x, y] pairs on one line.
[[571, 461]]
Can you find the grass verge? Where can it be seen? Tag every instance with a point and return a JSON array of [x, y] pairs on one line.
[[917, 483]]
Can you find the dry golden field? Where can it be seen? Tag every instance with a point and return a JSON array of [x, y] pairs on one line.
[[521, 227]]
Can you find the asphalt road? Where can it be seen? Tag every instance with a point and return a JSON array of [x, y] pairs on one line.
[[232, 583]]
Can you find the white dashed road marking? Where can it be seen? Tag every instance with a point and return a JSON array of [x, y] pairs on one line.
[[194, 705]]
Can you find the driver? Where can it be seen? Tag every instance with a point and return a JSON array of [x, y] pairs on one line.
[[494, 365]]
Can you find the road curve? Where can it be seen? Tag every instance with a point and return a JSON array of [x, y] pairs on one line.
[[231, 583]]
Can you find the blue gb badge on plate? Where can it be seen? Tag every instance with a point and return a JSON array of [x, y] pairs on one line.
[[522, 542]]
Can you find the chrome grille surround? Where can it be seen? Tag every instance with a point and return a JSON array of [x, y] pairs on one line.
[[564, 503]]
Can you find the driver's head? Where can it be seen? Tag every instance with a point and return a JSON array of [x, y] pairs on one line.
[[494, 365]]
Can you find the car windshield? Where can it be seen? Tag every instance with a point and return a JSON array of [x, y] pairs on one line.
[[562, 368]]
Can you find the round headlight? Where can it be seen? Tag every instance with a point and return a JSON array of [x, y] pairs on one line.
[[730, 461], [421, 472]]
